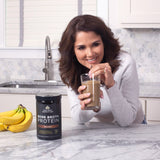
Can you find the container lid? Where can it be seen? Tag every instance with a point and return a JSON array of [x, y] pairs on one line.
[[42, 96]]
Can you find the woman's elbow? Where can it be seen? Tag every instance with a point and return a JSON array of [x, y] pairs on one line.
[[126, 122]]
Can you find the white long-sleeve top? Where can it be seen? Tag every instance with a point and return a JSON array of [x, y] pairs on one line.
[[120, 103]]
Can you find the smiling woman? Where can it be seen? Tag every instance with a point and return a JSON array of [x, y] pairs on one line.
[[87, 42]]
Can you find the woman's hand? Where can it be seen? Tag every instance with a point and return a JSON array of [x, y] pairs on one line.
[[85, 98], [105, 72]]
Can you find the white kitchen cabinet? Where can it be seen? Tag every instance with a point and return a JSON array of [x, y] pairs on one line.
[[151, 106], [153, 109], [139, 13], [65, 107], [11, 101]]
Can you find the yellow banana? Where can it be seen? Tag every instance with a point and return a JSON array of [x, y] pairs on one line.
[[9, 113], [24, 125], [2, 128], [15, 119]]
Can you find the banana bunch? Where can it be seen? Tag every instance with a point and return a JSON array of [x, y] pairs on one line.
[[17, 120]]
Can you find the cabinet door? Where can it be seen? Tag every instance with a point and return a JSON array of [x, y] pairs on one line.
[[140, 13], [153, 109], [11, 101], [65, 107]]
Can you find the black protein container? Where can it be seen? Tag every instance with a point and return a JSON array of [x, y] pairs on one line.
[[48, 116]]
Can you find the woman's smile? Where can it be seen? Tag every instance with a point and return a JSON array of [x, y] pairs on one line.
[[88, 48], [93, 60]]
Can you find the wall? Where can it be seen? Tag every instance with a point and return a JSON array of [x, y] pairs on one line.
[[26, 64], [143, 44]]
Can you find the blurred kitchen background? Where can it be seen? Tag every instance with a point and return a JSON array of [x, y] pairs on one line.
[[24, 25]]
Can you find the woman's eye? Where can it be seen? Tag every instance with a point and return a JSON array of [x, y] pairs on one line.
[[96, 44], [81, 47]]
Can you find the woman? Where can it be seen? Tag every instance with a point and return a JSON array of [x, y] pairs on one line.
[[88, 45]]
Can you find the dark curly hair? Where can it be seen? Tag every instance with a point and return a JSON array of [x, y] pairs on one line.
[[69, 67]]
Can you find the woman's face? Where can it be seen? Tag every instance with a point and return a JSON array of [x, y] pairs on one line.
[[88, 48]]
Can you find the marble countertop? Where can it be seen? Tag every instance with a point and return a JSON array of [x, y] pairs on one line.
[[59, 88], [92, 141], [150, 90]]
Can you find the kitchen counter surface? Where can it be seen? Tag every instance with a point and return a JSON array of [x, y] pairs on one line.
[[150, 90], [92, 141], [35, 90]]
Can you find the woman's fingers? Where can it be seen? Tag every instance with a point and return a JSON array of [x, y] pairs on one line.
[[84, 103], [101, 94], [99, 69], [84, 96], [81, 88]]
